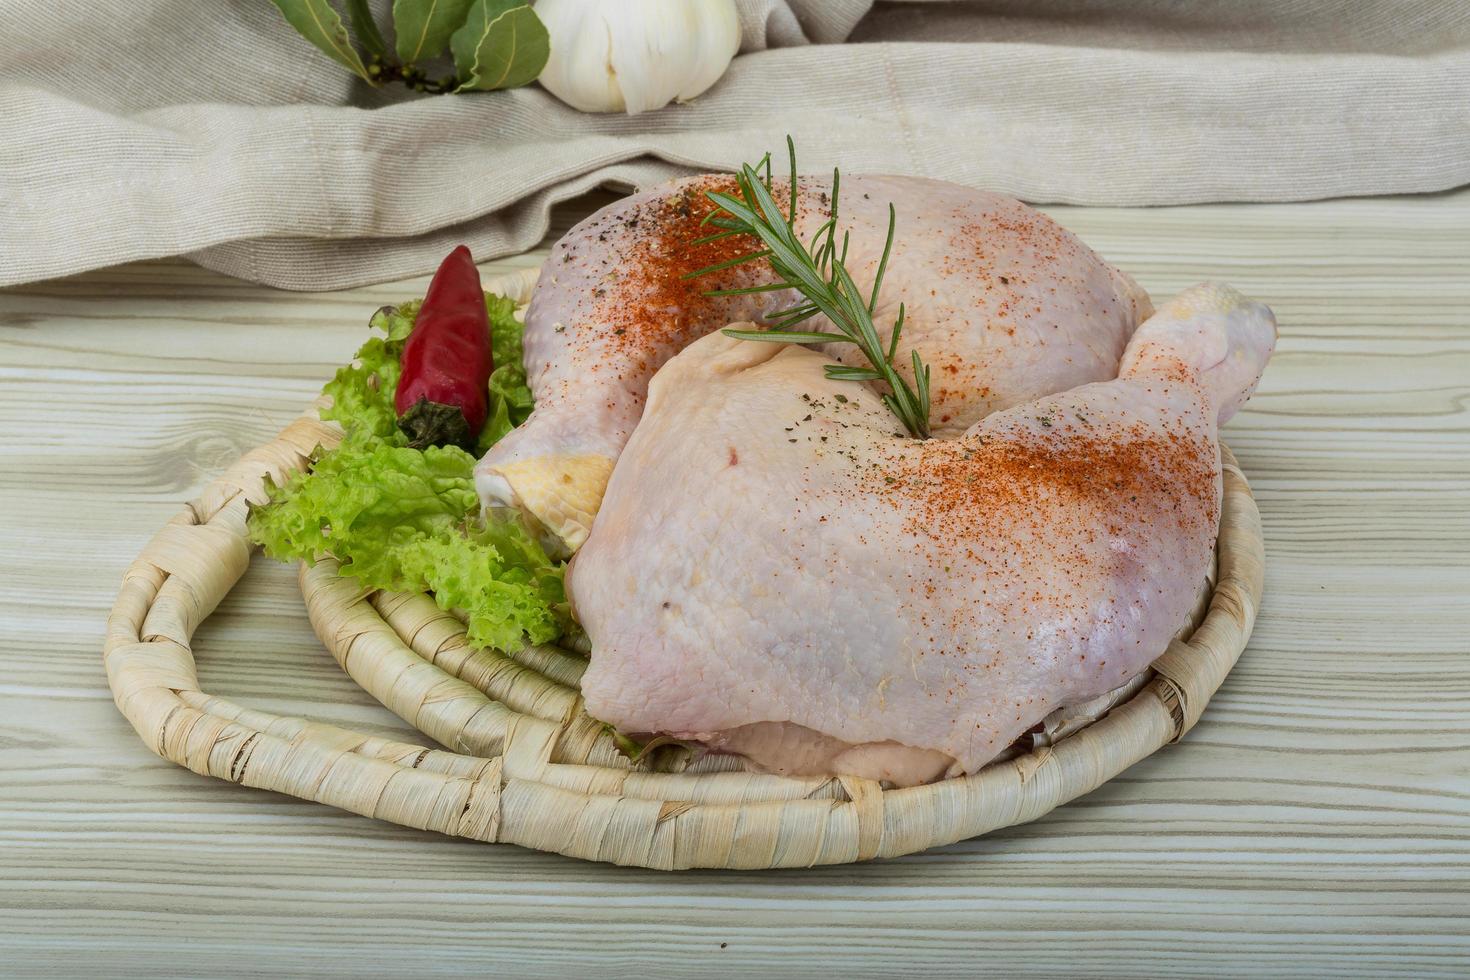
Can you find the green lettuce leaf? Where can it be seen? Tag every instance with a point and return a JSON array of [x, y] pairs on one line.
[[362, 392], [510, 397], [405, 519]]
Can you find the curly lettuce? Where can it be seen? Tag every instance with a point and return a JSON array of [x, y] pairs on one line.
[[404, 519], [510, 396]]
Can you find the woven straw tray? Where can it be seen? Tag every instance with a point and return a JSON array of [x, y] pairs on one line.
[[527, 766]]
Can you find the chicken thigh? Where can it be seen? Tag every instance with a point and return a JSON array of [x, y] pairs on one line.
[[1002, 302], [776, 572]]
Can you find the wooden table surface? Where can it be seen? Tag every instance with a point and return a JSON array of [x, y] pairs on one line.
[[1317, 822]]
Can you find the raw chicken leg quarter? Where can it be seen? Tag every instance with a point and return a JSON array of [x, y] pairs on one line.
[[770, 567], [1002, 302], [776, 572]]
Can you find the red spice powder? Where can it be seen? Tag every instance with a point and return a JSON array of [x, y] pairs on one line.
[[957, 490], [1056, 499], [650, 303]]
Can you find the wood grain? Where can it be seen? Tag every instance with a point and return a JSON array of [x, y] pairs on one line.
[[1315, 823]]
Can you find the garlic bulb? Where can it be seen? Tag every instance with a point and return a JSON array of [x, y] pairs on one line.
[[611, 55]]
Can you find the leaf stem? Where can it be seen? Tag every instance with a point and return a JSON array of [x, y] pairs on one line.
[[414, 78]]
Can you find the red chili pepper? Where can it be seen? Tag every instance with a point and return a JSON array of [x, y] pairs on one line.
[[442, 392]]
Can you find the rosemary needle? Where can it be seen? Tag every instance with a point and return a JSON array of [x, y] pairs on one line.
[[818, 272]]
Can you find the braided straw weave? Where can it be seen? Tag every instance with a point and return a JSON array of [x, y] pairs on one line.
[[529, 767]]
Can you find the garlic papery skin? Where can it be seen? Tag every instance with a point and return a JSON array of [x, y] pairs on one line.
[[636, 55]]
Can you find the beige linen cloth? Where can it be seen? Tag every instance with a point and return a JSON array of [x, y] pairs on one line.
[[207, 128]]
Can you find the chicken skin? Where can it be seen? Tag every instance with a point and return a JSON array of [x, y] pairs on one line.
[[777, 571], [1003, 303]]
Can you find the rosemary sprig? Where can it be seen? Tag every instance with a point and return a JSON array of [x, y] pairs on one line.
[[818, 271]]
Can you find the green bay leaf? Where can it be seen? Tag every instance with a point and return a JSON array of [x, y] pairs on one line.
[[316, 21], [510, 51], [423, 27], [365, 29], [466, 41]]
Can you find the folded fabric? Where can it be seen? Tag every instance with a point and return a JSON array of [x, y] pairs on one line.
[[212, 130]]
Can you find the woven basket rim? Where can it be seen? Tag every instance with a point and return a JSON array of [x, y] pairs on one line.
[[526, 764]]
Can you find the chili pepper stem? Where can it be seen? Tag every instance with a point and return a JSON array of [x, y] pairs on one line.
[[447, 359], [429, 423]]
